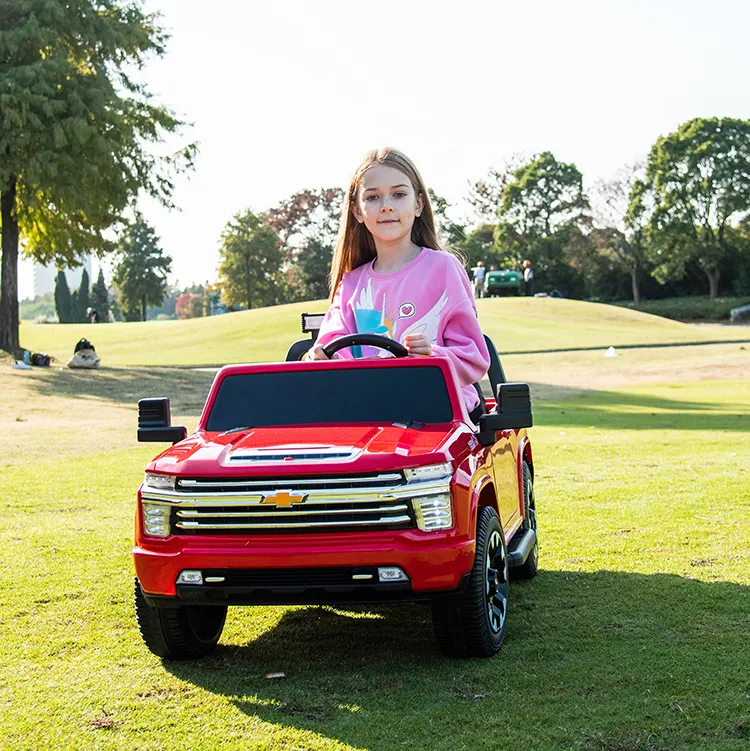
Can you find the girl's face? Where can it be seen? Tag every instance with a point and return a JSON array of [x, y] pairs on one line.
[[387, 204]]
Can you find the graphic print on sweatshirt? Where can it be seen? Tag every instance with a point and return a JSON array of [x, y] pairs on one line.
[[373, 319]]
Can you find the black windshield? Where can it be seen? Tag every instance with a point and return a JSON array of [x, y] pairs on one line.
[[303, 397]]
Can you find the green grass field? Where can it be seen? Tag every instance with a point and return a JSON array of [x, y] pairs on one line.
[[633, 637], [515, 325]]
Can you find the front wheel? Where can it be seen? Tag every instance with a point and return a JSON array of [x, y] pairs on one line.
[[473, 624], [179, 633]]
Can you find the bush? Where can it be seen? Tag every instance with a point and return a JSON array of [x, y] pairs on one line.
[[701, 308]]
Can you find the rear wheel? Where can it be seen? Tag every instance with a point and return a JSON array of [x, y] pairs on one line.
[[179, 633], [530, 566], [473, 624]]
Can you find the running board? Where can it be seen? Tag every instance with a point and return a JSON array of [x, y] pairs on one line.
[[520, 547]]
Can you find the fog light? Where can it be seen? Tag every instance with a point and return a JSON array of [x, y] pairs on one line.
[[433, 512], [155, 519], [189, 576], [392, 574]]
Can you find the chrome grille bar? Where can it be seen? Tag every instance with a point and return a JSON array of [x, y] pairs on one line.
[[393, 478], [262, 513], [298, 525], [344, 495]]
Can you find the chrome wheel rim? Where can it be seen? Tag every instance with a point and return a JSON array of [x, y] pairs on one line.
[[496, 582]]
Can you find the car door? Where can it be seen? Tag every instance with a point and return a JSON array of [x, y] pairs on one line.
[[504, 457]]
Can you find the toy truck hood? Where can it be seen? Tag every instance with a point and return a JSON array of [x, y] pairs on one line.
[[312, 450]]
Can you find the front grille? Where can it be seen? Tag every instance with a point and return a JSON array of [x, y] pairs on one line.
[[303, 504]]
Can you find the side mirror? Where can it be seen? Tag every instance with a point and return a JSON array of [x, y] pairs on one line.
[[155, 422], [513, 412]]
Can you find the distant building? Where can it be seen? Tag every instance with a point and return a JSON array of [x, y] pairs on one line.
[[44, 276]]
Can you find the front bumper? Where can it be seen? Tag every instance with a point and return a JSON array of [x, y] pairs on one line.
[[435, 563], [324, 586]]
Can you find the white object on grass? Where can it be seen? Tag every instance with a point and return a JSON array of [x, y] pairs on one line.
[[611, 352]]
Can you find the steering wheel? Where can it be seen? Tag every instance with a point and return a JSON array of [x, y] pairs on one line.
[[371, 340]]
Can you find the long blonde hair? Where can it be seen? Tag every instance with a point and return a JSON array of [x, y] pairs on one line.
[[355, 245]]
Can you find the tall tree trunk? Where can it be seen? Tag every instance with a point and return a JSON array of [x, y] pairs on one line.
[[634, 283], [143, 308], [713, 282], [9, 272]]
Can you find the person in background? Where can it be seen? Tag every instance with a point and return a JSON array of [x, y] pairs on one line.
[[528, 278], [478, 277]]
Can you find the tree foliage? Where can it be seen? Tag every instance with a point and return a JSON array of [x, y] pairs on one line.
[[100, 297], [622, 236], [141, 271], [62, 298], [449, 232], [486, 196], [75, 131], [189, 305], [250, 262], [84, 298], [542, 210], [307, 225], [695, 193]]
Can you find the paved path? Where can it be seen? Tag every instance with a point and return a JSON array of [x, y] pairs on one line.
[[623, 346]]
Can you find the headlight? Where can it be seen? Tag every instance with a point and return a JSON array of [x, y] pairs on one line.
[[159, 482], [433, 512], [155, 519], [429, 472], [432, 504]]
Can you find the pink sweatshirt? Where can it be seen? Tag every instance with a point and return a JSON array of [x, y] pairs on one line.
[[430, 296]]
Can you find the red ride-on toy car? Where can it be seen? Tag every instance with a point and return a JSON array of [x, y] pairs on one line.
[[343, 481]]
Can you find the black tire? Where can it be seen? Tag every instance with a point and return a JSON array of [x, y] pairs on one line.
[[530, 567], [473, 624], [179, 633]]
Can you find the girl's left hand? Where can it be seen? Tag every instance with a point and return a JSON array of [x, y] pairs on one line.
[[418, 344]]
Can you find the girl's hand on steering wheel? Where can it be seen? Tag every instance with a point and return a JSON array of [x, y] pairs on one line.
[[316, 353], [418, 344]]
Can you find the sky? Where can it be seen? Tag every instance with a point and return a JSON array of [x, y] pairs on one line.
[[289, 95]]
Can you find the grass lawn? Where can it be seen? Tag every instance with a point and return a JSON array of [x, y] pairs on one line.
[[515, 325], [633, 637]]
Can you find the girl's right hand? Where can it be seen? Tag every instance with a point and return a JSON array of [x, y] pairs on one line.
[[316, 353]]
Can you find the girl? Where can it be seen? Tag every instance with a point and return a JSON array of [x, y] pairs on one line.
[[390, 277]]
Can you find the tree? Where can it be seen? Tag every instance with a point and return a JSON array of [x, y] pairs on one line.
[[76, 124], [450, 233], [250, 262], [189, 305], [623, 235], [62, 298], [307, 215], [479, 246], [696, 190], [307, 224], [542, 209], [486, 196], [141, 271], [84, 298], [100, 297]]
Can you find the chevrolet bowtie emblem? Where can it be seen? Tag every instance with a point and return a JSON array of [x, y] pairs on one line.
[[283, 498]]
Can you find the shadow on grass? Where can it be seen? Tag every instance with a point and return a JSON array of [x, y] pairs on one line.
[[591, 661], [186, 389], [628, 411]]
